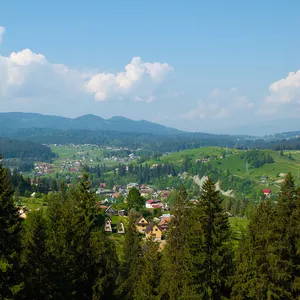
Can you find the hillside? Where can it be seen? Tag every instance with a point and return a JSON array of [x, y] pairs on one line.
[[24, 150], [267, 175], [18, 120]]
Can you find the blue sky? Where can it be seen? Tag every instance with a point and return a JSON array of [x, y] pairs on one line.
[[194, 65]]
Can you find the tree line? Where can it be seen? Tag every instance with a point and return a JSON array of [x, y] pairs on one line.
[[63, 252], [24, 150]]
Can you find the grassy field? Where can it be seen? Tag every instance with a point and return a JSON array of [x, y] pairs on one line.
[[77, 153], [238, 226], [32, 203], [237, 166]]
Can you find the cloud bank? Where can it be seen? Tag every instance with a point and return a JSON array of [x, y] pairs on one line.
[[27, 76], [140, 79]]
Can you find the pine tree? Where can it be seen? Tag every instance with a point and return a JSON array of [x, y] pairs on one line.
[[84, 259], [149, 277], [216, 271], [268, 260], [35, 258], [177, 282], [252, 278], [134, 199], [286, 242], [10, 226], [130, 266]]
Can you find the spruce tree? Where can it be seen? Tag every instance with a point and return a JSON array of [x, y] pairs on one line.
[[216, 271], [149, 277], [131, 262], [84, 258], [176, 281], [35, 258], [10, 226], [285, 259], [253, 279]]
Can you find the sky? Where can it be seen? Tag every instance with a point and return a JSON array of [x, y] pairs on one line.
[[209, 66]]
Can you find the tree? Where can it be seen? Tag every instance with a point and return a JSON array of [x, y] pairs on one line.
[[134, 199], [149, 277], [286, 237], [269, 259], [216, 270], [10, 227], [252, 277], [130, 266], [35, 258], [84, 259], [177, 281]]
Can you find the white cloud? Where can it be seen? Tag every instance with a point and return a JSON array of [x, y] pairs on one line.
[[2, 30], [284, 96], [30, 76], [138, 81], [220, 104]]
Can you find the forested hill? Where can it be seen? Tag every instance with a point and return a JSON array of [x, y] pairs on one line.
[[24, 150], [153, 142], [18, 120]]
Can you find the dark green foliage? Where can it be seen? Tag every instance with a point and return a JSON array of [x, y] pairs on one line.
[[253, 277], [131, 264], [36, 261], [216, 269], [269, 257], [257, 158], [134, 199], [147, 286], [10, 226], [177, 281], [25, 150]]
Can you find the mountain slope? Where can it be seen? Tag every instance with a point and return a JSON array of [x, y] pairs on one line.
[[18, 120]]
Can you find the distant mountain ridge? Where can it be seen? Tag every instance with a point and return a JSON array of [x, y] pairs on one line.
[[19, 120]]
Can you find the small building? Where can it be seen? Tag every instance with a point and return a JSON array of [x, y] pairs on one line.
[[141, 224], [151, 202], [153, 231], [122, 212], [164, 224], [108, 227], [111, 212], [267, 192]]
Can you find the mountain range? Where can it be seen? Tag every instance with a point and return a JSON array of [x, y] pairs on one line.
[[19, 120]]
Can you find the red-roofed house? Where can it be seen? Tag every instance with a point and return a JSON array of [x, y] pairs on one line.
[[267, 192], [151, 202]]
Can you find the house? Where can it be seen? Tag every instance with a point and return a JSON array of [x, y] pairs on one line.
[[110, 211], [164, 222], [267, 192], [157, 205], [122, 212], [151, 202], [108, 227], [141, 224], [121, 228], [132, 185], [153, 231]]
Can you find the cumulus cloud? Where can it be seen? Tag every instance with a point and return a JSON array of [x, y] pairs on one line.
[[26, 74], [139, 80], [2, 30], [284, 96], [219, 105], [30, 76]]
